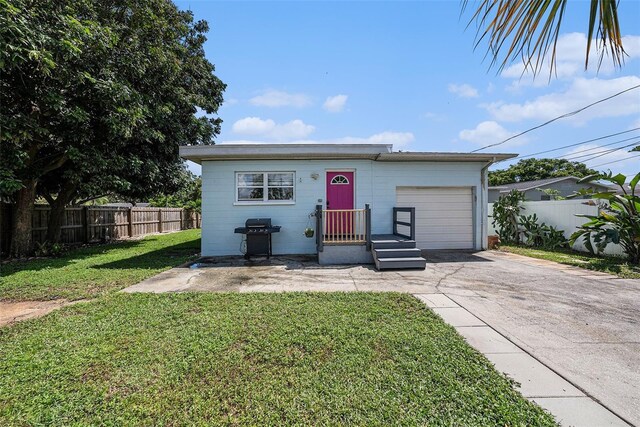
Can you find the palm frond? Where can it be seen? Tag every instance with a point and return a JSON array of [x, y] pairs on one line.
[[529, 30]]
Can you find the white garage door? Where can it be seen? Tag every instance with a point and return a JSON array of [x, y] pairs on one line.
[[444, 216]]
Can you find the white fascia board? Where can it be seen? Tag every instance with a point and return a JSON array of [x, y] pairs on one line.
[[282, 151]]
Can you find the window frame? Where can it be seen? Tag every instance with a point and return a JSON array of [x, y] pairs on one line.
[[265, 188]]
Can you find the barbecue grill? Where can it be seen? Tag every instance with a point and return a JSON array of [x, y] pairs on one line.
[[258, 232]]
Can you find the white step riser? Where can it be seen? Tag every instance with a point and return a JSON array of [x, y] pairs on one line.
[[403, 244]]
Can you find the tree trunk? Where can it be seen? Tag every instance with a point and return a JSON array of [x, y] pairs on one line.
[[57, 212], [21, 221]]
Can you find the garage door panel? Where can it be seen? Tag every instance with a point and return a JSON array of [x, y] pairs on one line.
[[444, 216]]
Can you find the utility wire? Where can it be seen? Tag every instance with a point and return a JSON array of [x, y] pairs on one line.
[[615, 161], [584, 142], [596, 147], [605, 153], [610, 150], [572, 113]]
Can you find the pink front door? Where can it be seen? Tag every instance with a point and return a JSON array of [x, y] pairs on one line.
[[340, 192]]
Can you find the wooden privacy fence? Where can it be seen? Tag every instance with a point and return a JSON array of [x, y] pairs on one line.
[[83, 224]]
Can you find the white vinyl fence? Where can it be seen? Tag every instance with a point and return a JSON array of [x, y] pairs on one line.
[[562, 215]]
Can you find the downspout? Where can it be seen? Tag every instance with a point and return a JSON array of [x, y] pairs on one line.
[[484, 234]]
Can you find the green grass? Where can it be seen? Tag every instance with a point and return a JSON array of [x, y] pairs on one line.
[[96, 270], [251, 359], [612, 265]]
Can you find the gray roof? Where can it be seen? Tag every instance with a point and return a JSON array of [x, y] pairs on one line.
[[380, 152], [539, 183]]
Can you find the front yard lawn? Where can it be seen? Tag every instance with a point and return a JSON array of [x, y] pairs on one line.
[[251, 359], [91, 271], [612, 265]]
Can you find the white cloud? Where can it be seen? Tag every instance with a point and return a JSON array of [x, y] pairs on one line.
[[570, 57], [464, 90], [256, 126], [398, 139], [276, 98], [335, 104], [292, 129], [253, 126], [580, 93], [490, 132]]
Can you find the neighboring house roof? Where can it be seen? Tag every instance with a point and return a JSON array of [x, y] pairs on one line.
[[379, 152], [616, 189], [540, 183]]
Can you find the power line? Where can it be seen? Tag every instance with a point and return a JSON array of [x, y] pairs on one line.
[[596, 147], [615, 161], [557, 118], [585, 142], [610, 150]]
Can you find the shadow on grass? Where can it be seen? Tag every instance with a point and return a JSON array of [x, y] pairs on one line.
[[169, 256], [70, 257], [151, 258]]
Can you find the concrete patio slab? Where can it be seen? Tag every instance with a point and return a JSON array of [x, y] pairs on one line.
[[486, 340], [283, 274], [456, 316], [437, 300], [536, 380], [579, 412]]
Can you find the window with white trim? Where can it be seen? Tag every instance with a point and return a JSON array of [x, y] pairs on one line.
[[265, 187]]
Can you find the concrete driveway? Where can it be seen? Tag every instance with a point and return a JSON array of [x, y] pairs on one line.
[[583, 325]]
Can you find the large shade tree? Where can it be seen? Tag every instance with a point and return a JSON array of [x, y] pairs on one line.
[[96, 97], [534, 169], [529, 29]]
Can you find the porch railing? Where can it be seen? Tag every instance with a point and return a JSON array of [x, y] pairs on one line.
[[411, 223], [343, 226]]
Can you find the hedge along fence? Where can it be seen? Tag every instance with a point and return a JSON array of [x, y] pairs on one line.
[[84, 224], [562, 215]]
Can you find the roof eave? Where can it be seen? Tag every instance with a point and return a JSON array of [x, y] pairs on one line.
[[444, 157]]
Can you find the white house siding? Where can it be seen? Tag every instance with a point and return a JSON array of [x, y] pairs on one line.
[[390, 175], [376, 184]]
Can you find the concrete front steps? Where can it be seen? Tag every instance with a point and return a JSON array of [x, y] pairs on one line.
[[394, 252]]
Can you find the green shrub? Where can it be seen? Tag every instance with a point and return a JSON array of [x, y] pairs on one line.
[[618, 220], [541, 235], [47, 249], [506, 211]]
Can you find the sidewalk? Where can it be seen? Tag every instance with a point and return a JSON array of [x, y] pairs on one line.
[[570, 405]]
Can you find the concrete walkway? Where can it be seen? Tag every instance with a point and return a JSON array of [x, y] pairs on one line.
[[581, 324], [570, 405]]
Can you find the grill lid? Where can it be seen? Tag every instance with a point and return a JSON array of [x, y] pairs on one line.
[[258, 223]]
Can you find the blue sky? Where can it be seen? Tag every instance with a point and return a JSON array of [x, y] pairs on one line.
[[406, 73]]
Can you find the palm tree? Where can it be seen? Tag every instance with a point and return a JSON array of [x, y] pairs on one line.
[[530, 28]]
